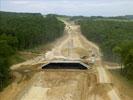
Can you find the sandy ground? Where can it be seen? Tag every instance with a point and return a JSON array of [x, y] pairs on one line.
[[91, 84]]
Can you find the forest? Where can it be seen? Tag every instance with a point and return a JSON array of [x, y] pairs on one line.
[[19, 31], [115, 39], [115, 18]]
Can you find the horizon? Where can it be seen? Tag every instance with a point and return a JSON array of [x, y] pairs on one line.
[[64, 15], [86, 8]]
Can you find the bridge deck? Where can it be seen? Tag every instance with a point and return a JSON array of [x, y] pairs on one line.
[[65, 65]]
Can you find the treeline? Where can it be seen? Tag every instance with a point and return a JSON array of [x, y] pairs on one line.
[[7, 49], [115, 18], [115, 39], [20, 31], [30, 29], [125, 52]]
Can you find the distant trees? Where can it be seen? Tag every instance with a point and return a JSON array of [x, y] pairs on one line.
[[22, 31], [107, 34], [116, 18], [115, 39], [30, 29]]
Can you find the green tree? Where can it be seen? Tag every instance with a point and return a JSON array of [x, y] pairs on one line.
[[20, 31], [115, 38], [5, 52]]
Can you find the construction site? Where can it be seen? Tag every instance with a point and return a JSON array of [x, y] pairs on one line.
[[72, 70]]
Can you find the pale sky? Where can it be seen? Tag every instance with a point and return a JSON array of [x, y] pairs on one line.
[[70, 7]]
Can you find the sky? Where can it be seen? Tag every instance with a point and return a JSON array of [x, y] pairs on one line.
[[70, 7]]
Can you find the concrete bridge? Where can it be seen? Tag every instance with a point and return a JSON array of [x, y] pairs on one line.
[[68, 64]]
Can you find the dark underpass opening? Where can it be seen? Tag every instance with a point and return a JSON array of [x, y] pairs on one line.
[[65, 65]]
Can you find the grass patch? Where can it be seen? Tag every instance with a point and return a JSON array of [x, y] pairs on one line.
[[40, 49], [16, 59], [123, 85], [117, 73], [21, 57]]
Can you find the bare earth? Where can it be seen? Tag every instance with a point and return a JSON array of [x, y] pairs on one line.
[[33, 83]]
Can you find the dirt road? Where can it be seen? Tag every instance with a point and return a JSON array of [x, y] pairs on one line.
[[91, 84]]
